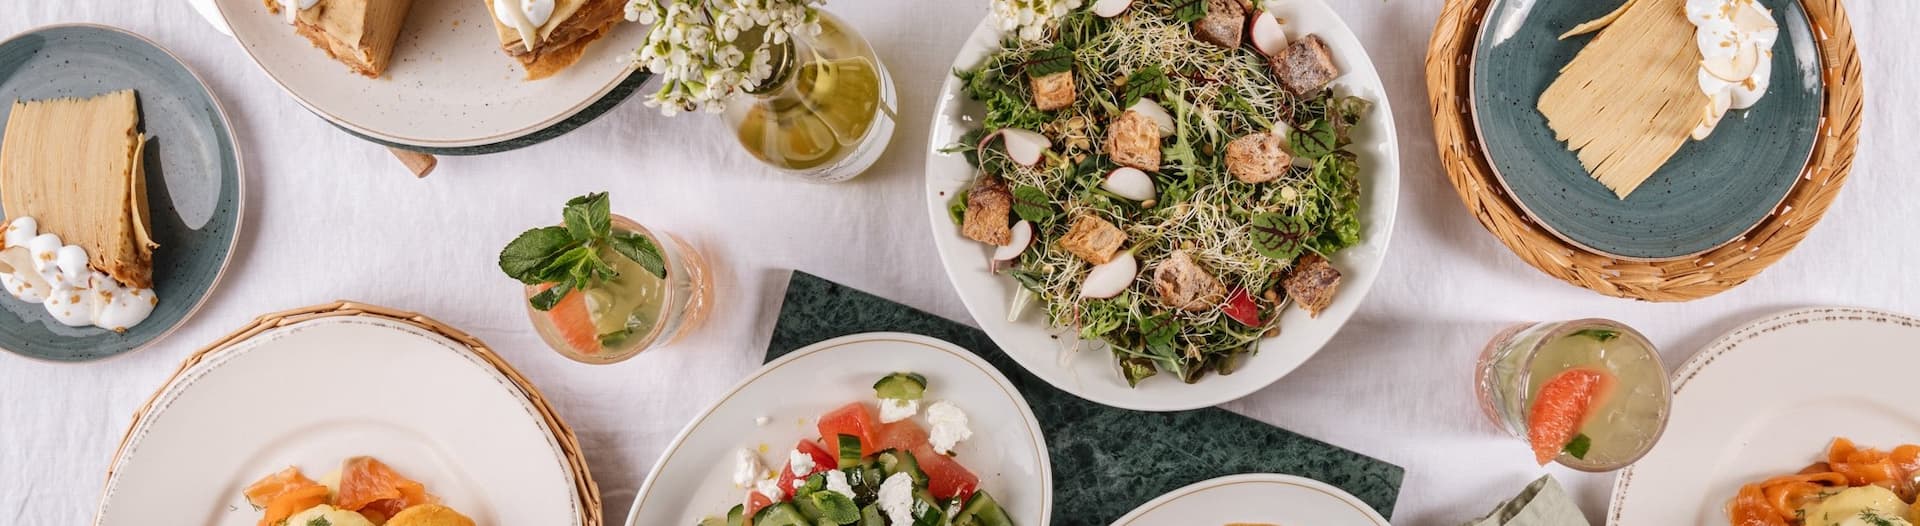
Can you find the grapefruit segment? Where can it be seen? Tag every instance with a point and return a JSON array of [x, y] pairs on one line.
[[573, 320], [1562, 407]]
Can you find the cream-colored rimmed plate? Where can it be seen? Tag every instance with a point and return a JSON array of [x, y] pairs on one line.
[[448, 86], [311, 393], [1256, 498], [1007, 452], [1093, 375], [1765, 400]]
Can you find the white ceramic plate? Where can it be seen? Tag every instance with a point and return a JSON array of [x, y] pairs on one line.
[[1007, 452], [313, 393], [448, 86], [1258, 498], [1093, 375], [1765, 400]]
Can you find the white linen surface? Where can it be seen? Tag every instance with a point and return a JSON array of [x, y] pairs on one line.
[[331, 217]]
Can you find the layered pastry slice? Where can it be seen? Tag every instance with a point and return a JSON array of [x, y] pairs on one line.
[[359, 33], [546, 36], [77, 236]]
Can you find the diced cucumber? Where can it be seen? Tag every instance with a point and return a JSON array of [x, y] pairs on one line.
[[896, 461], [849, 451], [870, 516], [982, 511], [713, 521], [737, 515], [901, 386], [927, 510], [782, 514]]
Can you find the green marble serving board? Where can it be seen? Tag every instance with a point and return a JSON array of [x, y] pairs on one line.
[[1106, 461]]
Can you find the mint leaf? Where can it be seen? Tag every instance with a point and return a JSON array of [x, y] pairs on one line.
[[641, 250], [588, 216], [1600, 335], [1577, 448], [836, 508], [546, 299], [1050, 61], [1315, 140], [527, 255]]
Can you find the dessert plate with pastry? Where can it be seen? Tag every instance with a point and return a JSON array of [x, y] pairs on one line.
[[1647, 130], [120, 189], [444, 76]]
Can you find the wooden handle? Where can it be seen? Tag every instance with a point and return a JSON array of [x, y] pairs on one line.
[[420, 164]]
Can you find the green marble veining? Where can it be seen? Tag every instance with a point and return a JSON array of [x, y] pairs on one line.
[[1106, 461]]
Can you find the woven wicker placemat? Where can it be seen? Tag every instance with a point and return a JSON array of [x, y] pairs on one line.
[[590, 513], [1449, 69]]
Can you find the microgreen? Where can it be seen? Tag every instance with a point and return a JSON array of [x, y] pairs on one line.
[[569, 256]]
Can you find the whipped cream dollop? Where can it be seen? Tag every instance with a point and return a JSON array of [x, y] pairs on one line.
[[1736, 39], [38, 268], [292, 8], [525, 17]]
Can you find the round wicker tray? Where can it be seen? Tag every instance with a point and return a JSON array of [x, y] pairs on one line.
[[569, 444], [1449, 63]]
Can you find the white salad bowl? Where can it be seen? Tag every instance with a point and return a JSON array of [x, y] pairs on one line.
[[1049, 353], [778, 405]]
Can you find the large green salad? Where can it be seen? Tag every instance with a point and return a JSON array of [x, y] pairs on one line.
[[1165, 180]]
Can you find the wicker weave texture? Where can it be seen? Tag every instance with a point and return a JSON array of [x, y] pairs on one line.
[[1449, 67]]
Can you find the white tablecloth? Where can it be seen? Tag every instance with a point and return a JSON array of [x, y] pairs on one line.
[[330, 217]]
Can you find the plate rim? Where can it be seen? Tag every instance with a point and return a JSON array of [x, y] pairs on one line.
[[1245, 478], [1026, 410], [479, 145], [1382, 233], [240, 189], [1480, 143], [203, 364], [1728, 342]]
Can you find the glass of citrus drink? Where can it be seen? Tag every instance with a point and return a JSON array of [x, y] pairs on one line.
[[1590, 394], [600, 288]]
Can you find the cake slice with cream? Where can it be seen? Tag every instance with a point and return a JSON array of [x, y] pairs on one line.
[[358, 33], [77, 237], [547, 36]]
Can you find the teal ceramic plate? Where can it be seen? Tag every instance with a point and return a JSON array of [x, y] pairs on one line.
[[193, 176], [1708, 195]]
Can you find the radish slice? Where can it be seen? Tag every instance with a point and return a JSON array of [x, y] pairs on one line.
[[1022, 236], [1111, 8], [1024, 146], [1021, 299], [1267, 35], [1153, 110], [1130, 183], [1110, 279]]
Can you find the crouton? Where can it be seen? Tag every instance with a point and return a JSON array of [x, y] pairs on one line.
[[1312, 283], [1093, 239], [1185, 285], [1052, 92], [1305, 67], [1134, 140], [1222, 26], [988, 205], [1258, 157]]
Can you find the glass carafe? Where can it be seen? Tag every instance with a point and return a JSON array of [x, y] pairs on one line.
[[827, 110]]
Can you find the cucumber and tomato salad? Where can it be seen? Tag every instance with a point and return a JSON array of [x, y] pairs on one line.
[[868, 452]]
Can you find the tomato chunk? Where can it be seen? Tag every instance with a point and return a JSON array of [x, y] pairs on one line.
[[821, 462], [755, 502], [946, 478], [851, 419]]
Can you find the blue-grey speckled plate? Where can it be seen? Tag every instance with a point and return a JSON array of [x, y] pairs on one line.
[[193, 176], [1709, 194]]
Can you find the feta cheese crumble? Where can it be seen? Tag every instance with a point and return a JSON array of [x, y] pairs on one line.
[[837, 483], [770, 488], [747, 468], [949, 426], [896, 498], [800, 463], [892, 410]]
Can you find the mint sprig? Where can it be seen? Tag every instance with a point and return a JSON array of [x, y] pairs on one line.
[[568, 256], [1577, 448]]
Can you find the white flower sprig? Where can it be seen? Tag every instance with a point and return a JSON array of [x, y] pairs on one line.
[[1030, 18], [695, 46]]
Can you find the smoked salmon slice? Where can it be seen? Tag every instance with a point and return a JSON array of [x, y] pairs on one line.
[[366, 483]]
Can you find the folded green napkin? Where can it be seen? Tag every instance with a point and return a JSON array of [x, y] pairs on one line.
[[1106, 461], [1542, 503]]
